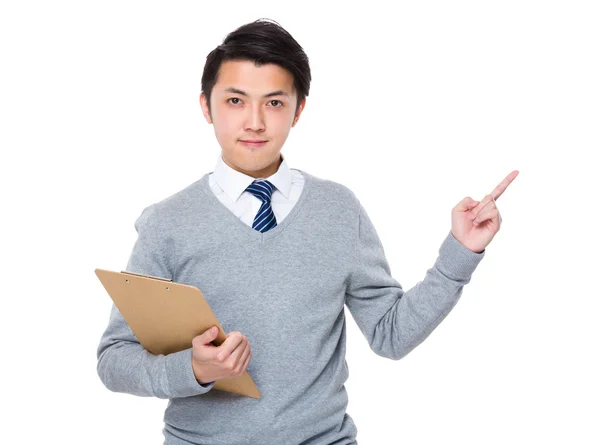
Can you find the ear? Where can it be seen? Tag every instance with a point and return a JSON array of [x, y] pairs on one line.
[[205, 109], [299, 112]]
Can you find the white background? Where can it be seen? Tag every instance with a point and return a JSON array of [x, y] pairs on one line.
[[412, 106]]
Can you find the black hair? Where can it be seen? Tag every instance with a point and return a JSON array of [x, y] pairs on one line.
[[261, 42]]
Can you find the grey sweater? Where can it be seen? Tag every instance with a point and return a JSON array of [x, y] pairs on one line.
[[285, 290]]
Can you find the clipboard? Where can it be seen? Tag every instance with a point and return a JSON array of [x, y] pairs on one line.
[[165, 316]]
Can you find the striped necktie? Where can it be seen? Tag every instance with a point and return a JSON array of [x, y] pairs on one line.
[[265, 218]]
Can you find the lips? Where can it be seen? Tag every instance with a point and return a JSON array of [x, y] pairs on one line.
[[253, 143]]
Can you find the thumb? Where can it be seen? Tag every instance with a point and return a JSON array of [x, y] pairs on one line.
[[211, 334]]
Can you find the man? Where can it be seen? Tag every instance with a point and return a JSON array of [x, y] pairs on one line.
[[277, 252]]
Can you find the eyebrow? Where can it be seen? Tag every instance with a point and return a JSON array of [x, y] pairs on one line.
[[274, 93]]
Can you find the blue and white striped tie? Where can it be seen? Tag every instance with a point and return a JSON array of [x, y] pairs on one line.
[[265, 218]]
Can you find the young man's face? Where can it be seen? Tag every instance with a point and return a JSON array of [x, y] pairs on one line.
[[246, 114]]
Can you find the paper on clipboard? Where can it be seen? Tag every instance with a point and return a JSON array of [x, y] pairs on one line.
[[165, 316]]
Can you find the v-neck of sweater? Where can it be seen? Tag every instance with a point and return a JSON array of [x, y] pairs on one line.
[[240, 226]]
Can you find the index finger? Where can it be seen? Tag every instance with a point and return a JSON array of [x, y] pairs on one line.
[[500, 188], [232, 342]]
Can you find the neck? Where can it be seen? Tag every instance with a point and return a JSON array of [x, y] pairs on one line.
[[264, 173]]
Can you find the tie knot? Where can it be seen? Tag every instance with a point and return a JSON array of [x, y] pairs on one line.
[[262, 189]]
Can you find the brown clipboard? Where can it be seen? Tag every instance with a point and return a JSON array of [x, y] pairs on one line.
[[165, 316]]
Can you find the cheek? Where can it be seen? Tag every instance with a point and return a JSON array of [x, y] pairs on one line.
[[225, 125], [280, 124]]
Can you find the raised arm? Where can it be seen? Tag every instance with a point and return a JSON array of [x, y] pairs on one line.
[[393, 321]]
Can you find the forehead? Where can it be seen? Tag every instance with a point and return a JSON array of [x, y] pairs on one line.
[[255, 80]]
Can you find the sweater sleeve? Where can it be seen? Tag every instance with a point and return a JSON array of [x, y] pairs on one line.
[[393, 321], [123, 364]]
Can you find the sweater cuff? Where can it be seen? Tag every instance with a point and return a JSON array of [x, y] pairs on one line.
[[457, 261], [182, 381]]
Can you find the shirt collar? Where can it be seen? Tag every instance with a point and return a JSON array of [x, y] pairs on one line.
[[234, 183]]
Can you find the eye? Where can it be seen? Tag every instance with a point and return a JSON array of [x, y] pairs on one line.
[[278, 103]]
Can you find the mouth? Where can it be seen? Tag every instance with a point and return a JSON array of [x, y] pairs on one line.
[[251, 143]]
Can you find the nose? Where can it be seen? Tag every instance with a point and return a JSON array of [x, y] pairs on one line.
[[255, 120]]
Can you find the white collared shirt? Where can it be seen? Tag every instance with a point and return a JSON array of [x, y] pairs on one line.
[[229, 186]]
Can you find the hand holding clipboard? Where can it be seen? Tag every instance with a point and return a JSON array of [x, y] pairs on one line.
[[166, 316]]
